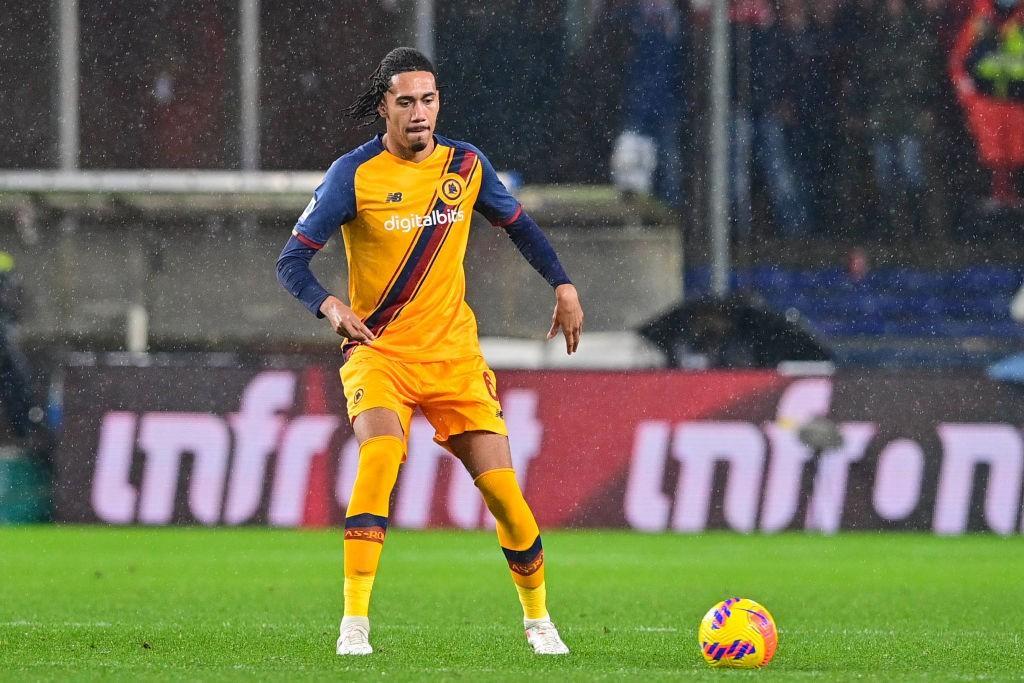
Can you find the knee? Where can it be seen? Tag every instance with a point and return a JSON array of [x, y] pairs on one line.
[[377, 468], [379, 461], [501, 493], [381, 456], [501, 506]]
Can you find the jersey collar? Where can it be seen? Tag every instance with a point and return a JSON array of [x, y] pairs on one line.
[[412, 164]]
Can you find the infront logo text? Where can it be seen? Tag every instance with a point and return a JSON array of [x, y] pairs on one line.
[[255, 464]]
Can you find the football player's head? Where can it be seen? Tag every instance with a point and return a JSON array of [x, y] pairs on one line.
[[403, 92]]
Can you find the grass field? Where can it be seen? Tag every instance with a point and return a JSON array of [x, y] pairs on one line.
[[253, 604]]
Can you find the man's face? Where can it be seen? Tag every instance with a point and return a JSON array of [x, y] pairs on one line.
[[410, 109]]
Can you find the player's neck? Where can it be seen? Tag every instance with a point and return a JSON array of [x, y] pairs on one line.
[[407, 154]]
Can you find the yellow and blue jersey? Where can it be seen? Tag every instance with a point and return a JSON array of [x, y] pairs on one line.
[[406, 226]]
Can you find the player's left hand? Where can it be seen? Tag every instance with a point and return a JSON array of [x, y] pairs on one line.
[[568, 317]]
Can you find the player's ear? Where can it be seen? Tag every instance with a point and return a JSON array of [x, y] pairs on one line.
[[381, 109]]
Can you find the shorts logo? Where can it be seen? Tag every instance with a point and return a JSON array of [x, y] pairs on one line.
[[358, 396], [491, 390], [393, 198], [452, 187]]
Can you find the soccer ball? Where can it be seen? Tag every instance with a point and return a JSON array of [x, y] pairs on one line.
[[738, 633]]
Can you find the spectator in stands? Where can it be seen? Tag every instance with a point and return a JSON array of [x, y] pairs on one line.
[[810, 97], [858, 265], [15, 379], [758, 133], [895, 86], [987, 68], [653, 100], [947, 149], [186, 112], [827, 144], [848, 21], [584, 156]]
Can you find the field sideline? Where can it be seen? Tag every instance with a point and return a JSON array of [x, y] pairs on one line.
[[243, 604]]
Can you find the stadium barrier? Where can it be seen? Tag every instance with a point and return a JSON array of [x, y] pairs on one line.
[[24, 486], [654, 451]]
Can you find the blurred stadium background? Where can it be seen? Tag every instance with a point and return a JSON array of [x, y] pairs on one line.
[[794, 191], [794, 226]]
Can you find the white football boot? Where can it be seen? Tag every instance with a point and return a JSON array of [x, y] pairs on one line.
[[544, 638], [355, 636]]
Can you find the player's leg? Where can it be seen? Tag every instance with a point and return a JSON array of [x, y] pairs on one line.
[[380, 412], [381, 450], [461, 402], [487, 457]]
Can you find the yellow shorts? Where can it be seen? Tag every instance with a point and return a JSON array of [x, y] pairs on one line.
[[455, 396]]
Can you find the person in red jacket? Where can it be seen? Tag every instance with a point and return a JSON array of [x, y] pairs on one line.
[[987, 68]]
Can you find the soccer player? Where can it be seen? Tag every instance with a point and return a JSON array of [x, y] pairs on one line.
[[404, 201]]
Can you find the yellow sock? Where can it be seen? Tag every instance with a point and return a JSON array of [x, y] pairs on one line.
[[357, 595], [534, 601], [366, 520], [519, 538]]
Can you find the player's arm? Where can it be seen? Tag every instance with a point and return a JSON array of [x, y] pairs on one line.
[[535, 247], [333, 203], [294, 274], [504, 211]]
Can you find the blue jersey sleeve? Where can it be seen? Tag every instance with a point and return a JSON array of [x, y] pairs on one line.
[[294, 274], [534, 245], [333, 204], [495, 202]]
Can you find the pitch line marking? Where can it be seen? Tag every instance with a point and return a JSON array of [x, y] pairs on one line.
[[70, 624]]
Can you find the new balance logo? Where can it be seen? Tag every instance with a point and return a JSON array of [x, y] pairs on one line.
[[393, 198]]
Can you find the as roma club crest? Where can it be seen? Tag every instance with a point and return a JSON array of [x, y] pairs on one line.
[[451, 188]]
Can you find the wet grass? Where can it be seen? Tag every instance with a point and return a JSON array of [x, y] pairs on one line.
[[129, 604]]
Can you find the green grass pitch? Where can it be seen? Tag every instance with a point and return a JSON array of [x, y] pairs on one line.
[[255, 604]]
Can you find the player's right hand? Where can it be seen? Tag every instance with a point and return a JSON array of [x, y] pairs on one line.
[[344, 321]]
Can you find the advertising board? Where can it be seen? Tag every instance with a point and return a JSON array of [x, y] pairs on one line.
[[652, 451]]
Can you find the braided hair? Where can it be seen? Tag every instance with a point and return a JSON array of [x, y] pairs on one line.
[[399, 60]]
